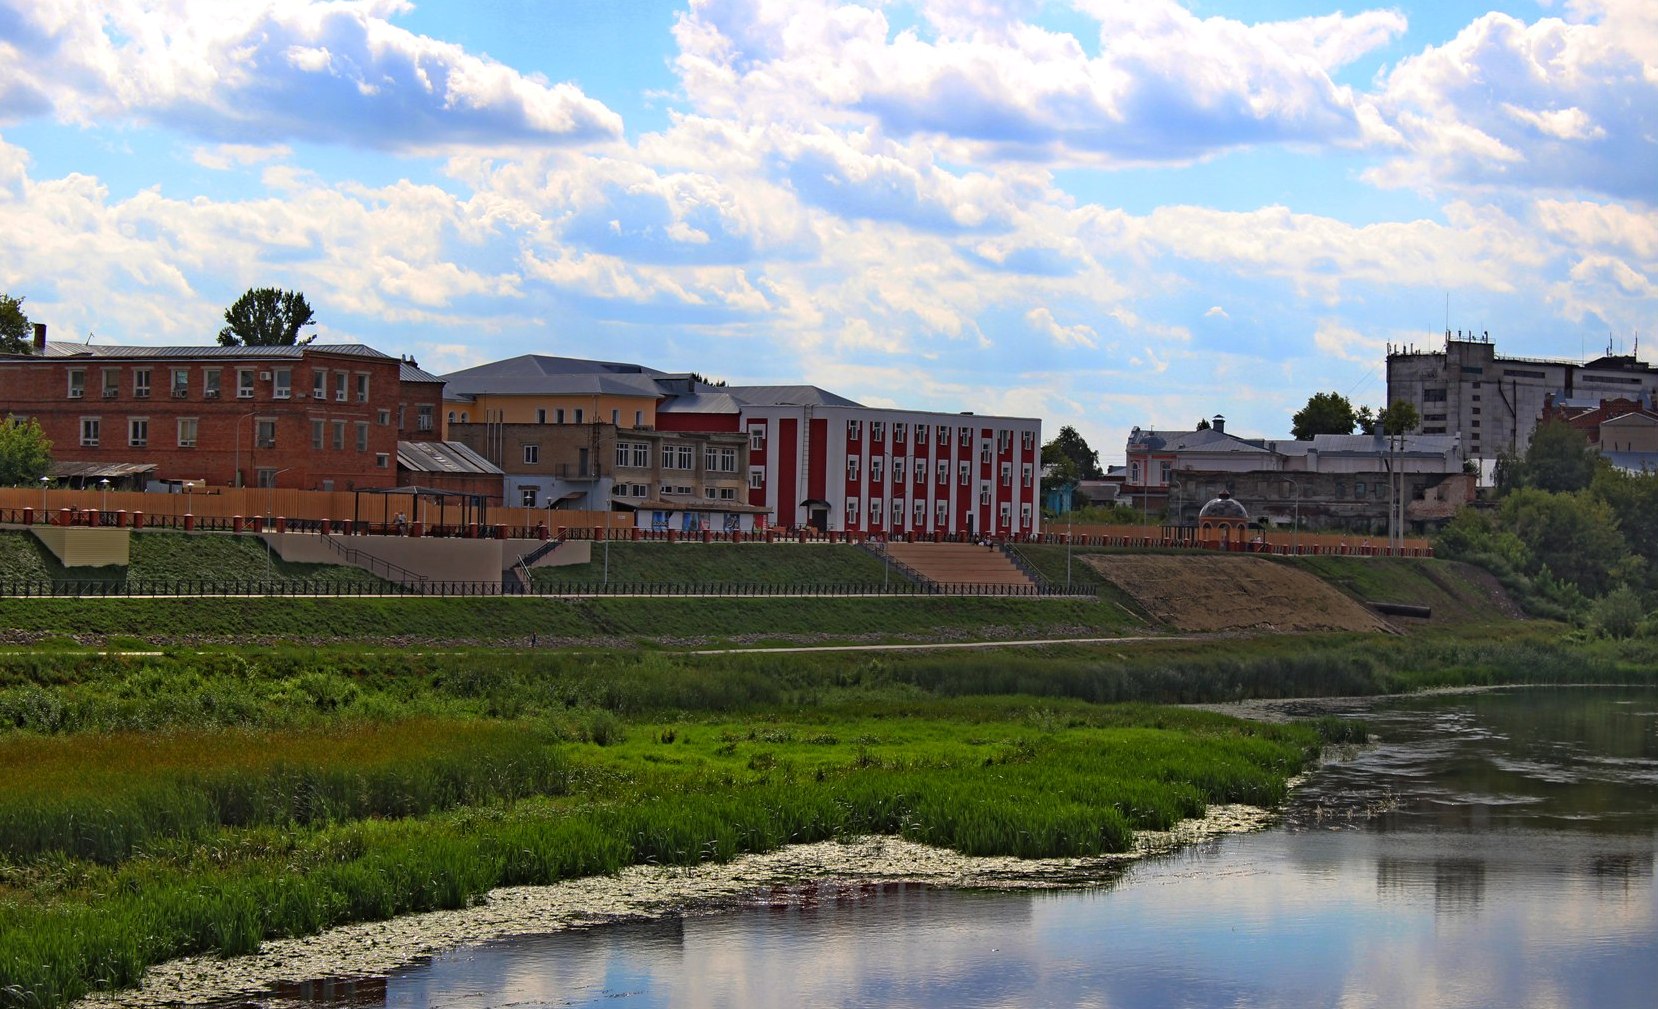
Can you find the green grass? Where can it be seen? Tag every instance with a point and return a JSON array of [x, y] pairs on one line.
[[1457, 592], [166, 557], [494, 620], [22, 560], [1008, 777], [698, 564]]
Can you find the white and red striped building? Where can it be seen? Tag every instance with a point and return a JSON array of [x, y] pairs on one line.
[[816, 459]]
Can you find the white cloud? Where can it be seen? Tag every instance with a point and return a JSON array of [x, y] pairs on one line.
[[1216, 312], [223, 157], [261, 73], [1336, 339], [1079, 335]]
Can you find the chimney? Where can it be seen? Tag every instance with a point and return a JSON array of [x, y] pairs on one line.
[[40, 337], [1220, 424]]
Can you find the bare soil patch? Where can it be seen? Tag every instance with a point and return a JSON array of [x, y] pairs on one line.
[[1207, 594]]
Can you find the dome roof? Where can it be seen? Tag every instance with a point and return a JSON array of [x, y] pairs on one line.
[[1224, 507]]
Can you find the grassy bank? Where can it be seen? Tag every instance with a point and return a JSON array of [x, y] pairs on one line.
[[490, 620], [165, 556], [122, 852], [700, 564]]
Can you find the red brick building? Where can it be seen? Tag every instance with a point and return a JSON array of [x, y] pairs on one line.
[[316, 417]]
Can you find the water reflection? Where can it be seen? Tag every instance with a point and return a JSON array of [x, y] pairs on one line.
[[1495, 850]]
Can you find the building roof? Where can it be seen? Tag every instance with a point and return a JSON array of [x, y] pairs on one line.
[[1369, 444], [443, 457], [1224, 507], [1207, 440], [722, 402], [59, 349], [414, 373], [461, 384], [787, 395]]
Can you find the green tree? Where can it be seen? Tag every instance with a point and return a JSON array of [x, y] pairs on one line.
[[1573, 535], [266, 317], [1325, 413], [1071, 445], [1202, 424], [14, 326], [1400, 418], [1559, 458], [25, 452]]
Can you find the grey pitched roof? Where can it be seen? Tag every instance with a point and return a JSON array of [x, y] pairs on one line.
[[414, 373], [109, 351], [787, 395], [545, 365], [443, 457], [722, 402], [467, 383], [1208, 440], [1369, 444]]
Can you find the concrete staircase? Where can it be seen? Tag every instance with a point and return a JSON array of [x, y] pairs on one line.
[[963, 564]]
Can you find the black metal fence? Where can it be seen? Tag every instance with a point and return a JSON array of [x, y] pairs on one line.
[[198, 587]]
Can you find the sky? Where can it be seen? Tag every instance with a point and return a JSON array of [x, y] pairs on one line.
[[1102, 213]]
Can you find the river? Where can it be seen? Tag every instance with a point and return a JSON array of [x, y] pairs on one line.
[[1491, 850]]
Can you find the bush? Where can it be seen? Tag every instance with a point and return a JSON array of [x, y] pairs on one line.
[[1619, 613]]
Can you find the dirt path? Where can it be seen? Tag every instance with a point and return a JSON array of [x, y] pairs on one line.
[[1210, 594]]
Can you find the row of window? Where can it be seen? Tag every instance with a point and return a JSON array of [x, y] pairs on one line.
[[281, 381], [964, 471], [941, 509], [877, 432], [576, 415], [324, 434], [637, 455]]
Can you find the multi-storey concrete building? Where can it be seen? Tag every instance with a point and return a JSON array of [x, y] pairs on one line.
[[320, 417], [806, 456], [1491, 404]]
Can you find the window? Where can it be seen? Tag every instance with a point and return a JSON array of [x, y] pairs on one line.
[[728, 493], [362, 387], [1436, 395], [1025, 473], [966, 477], [340, 379], [921, 434], [384, 417], [943, 472], [984, 494], [1004, 439], [339, 435], [875, 510], [282, 383], [1476, 411], [639, 419], [401, 413], [943, 435], [920, 512], [851, 509], [112, 383], [875, 469], [942, 510], [1007, 474], [710, 458], [532, 455], [877, 430], [852, 468], [77, 383], [362, 436], [898, 431], [526, 496], [920, 472], [898, 471], [1005, 512], [898, 513], [965, 437], [265, 476], [138, 431], [624, 451], [451, 416], [728, 460], [757, 477], [710, 493], [181, 383], [90, 428], [210, 383], [984, 453], [1358, 489], [541, 416], [187, 427], [854, 430], [141, 383], [244, 383], [319, 434], [641, 455], [757, 439], [558, 416], [1024, 515], [616, 417], [1027, 439], [676, 457], [423, 417], [579, 415], [382, 460], [264, 432]]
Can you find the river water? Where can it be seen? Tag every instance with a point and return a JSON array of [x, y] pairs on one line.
[[1493, 850]]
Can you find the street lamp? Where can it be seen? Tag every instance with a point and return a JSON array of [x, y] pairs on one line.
[[1295, 527], [103, 500], [44, 483], [270, 496]]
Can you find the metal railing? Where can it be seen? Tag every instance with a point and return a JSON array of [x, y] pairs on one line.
[[376, 565], [230, 587]]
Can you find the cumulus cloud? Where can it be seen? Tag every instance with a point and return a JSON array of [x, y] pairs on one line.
[[261, 73], [1165, 85], [1555, 104], [1080, 335]]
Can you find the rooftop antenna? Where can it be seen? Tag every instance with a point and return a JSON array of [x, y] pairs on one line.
[[89, 336]]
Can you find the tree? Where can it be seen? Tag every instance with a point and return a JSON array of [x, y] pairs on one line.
[[1202, 424], [1325, 413], [1071, 445], [25, 453], [1400, 418], [1559, 459], [14, 326], [266, 317], [1575, 536]]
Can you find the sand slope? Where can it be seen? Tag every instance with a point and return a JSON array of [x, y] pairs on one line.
[[1221, 593]]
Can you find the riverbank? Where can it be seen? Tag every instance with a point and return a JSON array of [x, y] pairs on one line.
[[775, 878]]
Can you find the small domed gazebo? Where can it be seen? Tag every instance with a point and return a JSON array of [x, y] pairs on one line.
[[1221, 520]]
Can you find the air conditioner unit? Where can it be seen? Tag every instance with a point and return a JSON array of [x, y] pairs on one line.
[[181, 393], [210, 394], [299, 395], [264, 376]]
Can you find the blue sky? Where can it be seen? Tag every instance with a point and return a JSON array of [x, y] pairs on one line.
[[1100, 213]]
